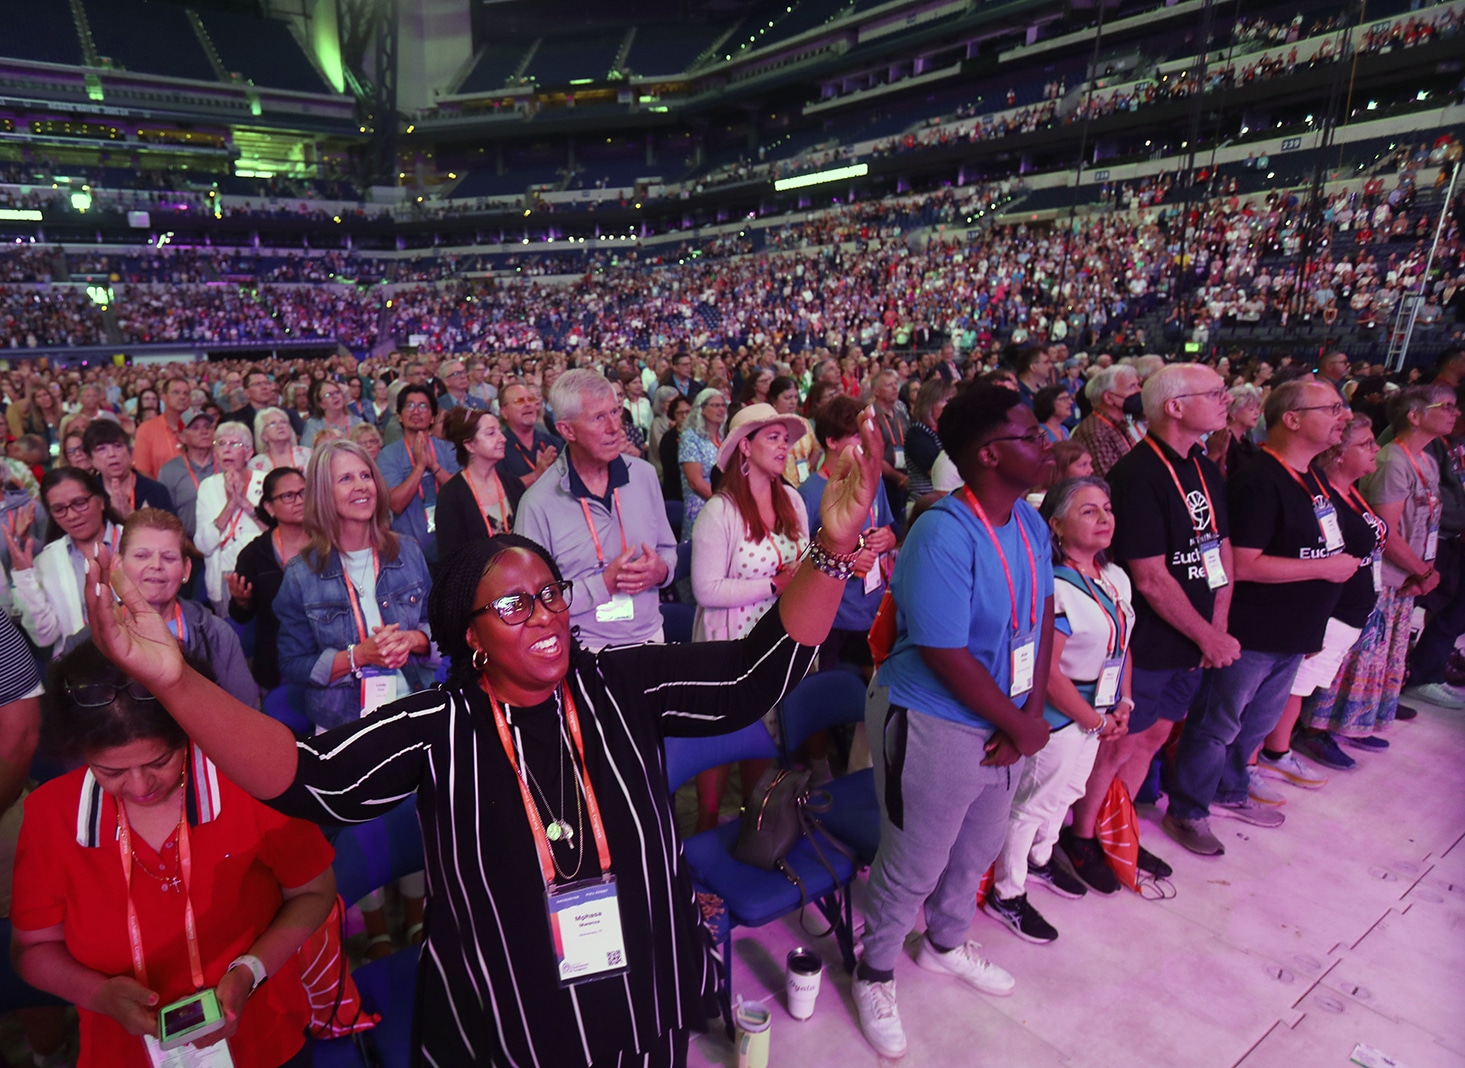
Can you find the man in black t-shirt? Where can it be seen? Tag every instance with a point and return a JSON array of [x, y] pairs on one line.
[[1169, 514], [1290, 567]]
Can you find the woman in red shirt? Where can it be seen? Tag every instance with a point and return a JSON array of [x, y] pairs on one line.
[[113, 857]]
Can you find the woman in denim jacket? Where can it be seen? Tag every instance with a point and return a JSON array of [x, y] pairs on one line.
[[352, 611]]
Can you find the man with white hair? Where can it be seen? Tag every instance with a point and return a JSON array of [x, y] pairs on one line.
[[1108, 431], [599, 512], [458, 393]]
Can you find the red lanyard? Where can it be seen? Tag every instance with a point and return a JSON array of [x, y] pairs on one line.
[[594, 536], [1200, 473], [1118, 632], [279, 541], [353, 597], [1317, 491], [1353, 499], [531, 810], [179, 625], [185, 874], [188, 466], [976, 507], [1423, 482], [503, 502]]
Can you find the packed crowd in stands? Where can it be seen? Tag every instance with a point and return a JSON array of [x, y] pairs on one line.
[[236, 497]]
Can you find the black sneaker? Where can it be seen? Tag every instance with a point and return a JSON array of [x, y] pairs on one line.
[[1320, 747], [1406, 711], [1019, 917], [1058, 879], [1153, 865], [1088, 862]]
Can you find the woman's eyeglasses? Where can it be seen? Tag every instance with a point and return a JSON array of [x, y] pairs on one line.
[[102, 694], [76, 504], [516, 608], [289, 497]]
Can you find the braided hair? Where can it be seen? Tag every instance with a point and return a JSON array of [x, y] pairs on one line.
[[450, 605]]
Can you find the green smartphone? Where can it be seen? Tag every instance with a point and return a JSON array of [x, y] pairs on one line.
[[189, 1019]]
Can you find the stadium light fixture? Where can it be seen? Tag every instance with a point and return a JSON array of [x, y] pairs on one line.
[[20, 215], [837, 174]]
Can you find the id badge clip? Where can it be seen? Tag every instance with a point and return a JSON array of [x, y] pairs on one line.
[[585, 922], [1106, 691], [1024, 660], [1327, 521], [378, 687], [1210, 557]]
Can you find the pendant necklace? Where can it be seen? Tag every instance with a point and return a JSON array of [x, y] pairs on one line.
[[557, 828]]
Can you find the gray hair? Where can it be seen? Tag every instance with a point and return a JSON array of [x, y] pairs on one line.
[[238, 431], [1414, 400], [257, 440], [1059, 500], [1106, 379], [662, 398], [695, 419], [1243, 396], [573, 389]]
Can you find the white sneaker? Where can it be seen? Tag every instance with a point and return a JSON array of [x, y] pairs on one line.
[[967, 965], [879, 1018], [1259, 790], [1289, 768], [1439, 694]]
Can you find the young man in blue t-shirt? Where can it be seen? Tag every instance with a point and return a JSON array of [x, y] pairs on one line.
[[959, 702]]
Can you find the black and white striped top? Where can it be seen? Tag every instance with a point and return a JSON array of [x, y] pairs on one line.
[[488, 990]]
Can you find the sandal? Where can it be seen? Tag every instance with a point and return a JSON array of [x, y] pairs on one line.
[[374, 948]]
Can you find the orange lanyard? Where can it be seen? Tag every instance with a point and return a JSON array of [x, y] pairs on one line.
[[353, 597], [1423, 482], [279, 541], [594, 536], [185, 874], [897, 435], [1175, 478], [188, 466], [1317, 490], [503, 503], [180, 627], [976, 507], [1118, 632], [531, 810], [1354, 500]]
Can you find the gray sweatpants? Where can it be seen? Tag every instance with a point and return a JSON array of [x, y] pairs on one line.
[[953, 814]]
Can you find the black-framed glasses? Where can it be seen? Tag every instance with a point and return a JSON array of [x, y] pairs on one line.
[[516, 608], [289, 497], [1036, 437], [1336, 408], [102, 694]]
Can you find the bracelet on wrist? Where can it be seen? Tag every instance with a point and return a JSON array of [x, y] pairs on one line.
[[836, 565], [1103, 722], [351, 658]]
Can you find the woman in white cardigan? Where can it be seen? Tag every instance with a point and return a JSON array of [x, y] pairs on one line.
[[48, 584], [745, 546], [225, 512]]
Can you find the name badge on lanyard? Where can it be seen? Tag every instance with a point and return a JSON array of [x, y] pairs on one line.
[[621, 607], [1327, 521], [1376, 565], [618, 609], [1432, 535], [899, 461], [1106, 691], [1024, 660], [801, 467], [378, 687], [215, 1056], [1210, 558], [584, 917], [1023, 639]]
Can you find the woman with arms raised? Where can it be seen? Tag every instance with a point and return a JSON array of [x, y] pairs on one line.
[[562, 748]]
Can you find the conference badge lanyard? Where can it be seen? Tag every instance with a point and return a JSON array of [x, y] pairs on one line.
[[1208, 543], [180, 625], [378, 685], [1023, 643], [584, 916], [1106, 690], [1376, 559], [620, 607], [483, 509], [897, 440], [217, 1055], [1322, 505], [1436, 508]]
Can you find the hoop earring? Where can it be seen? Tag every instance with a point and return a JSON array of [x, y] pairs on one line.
[[479, 660], [746, 469]]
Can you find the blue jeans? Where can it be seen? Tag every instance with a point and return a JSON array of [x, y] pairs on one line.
[[1437, 642], [1237, 707]]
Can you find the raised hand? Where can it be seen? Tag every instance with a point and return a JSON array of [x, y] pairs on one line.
[[845, 506], [239, 588], [132, 635], [22, 554]]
